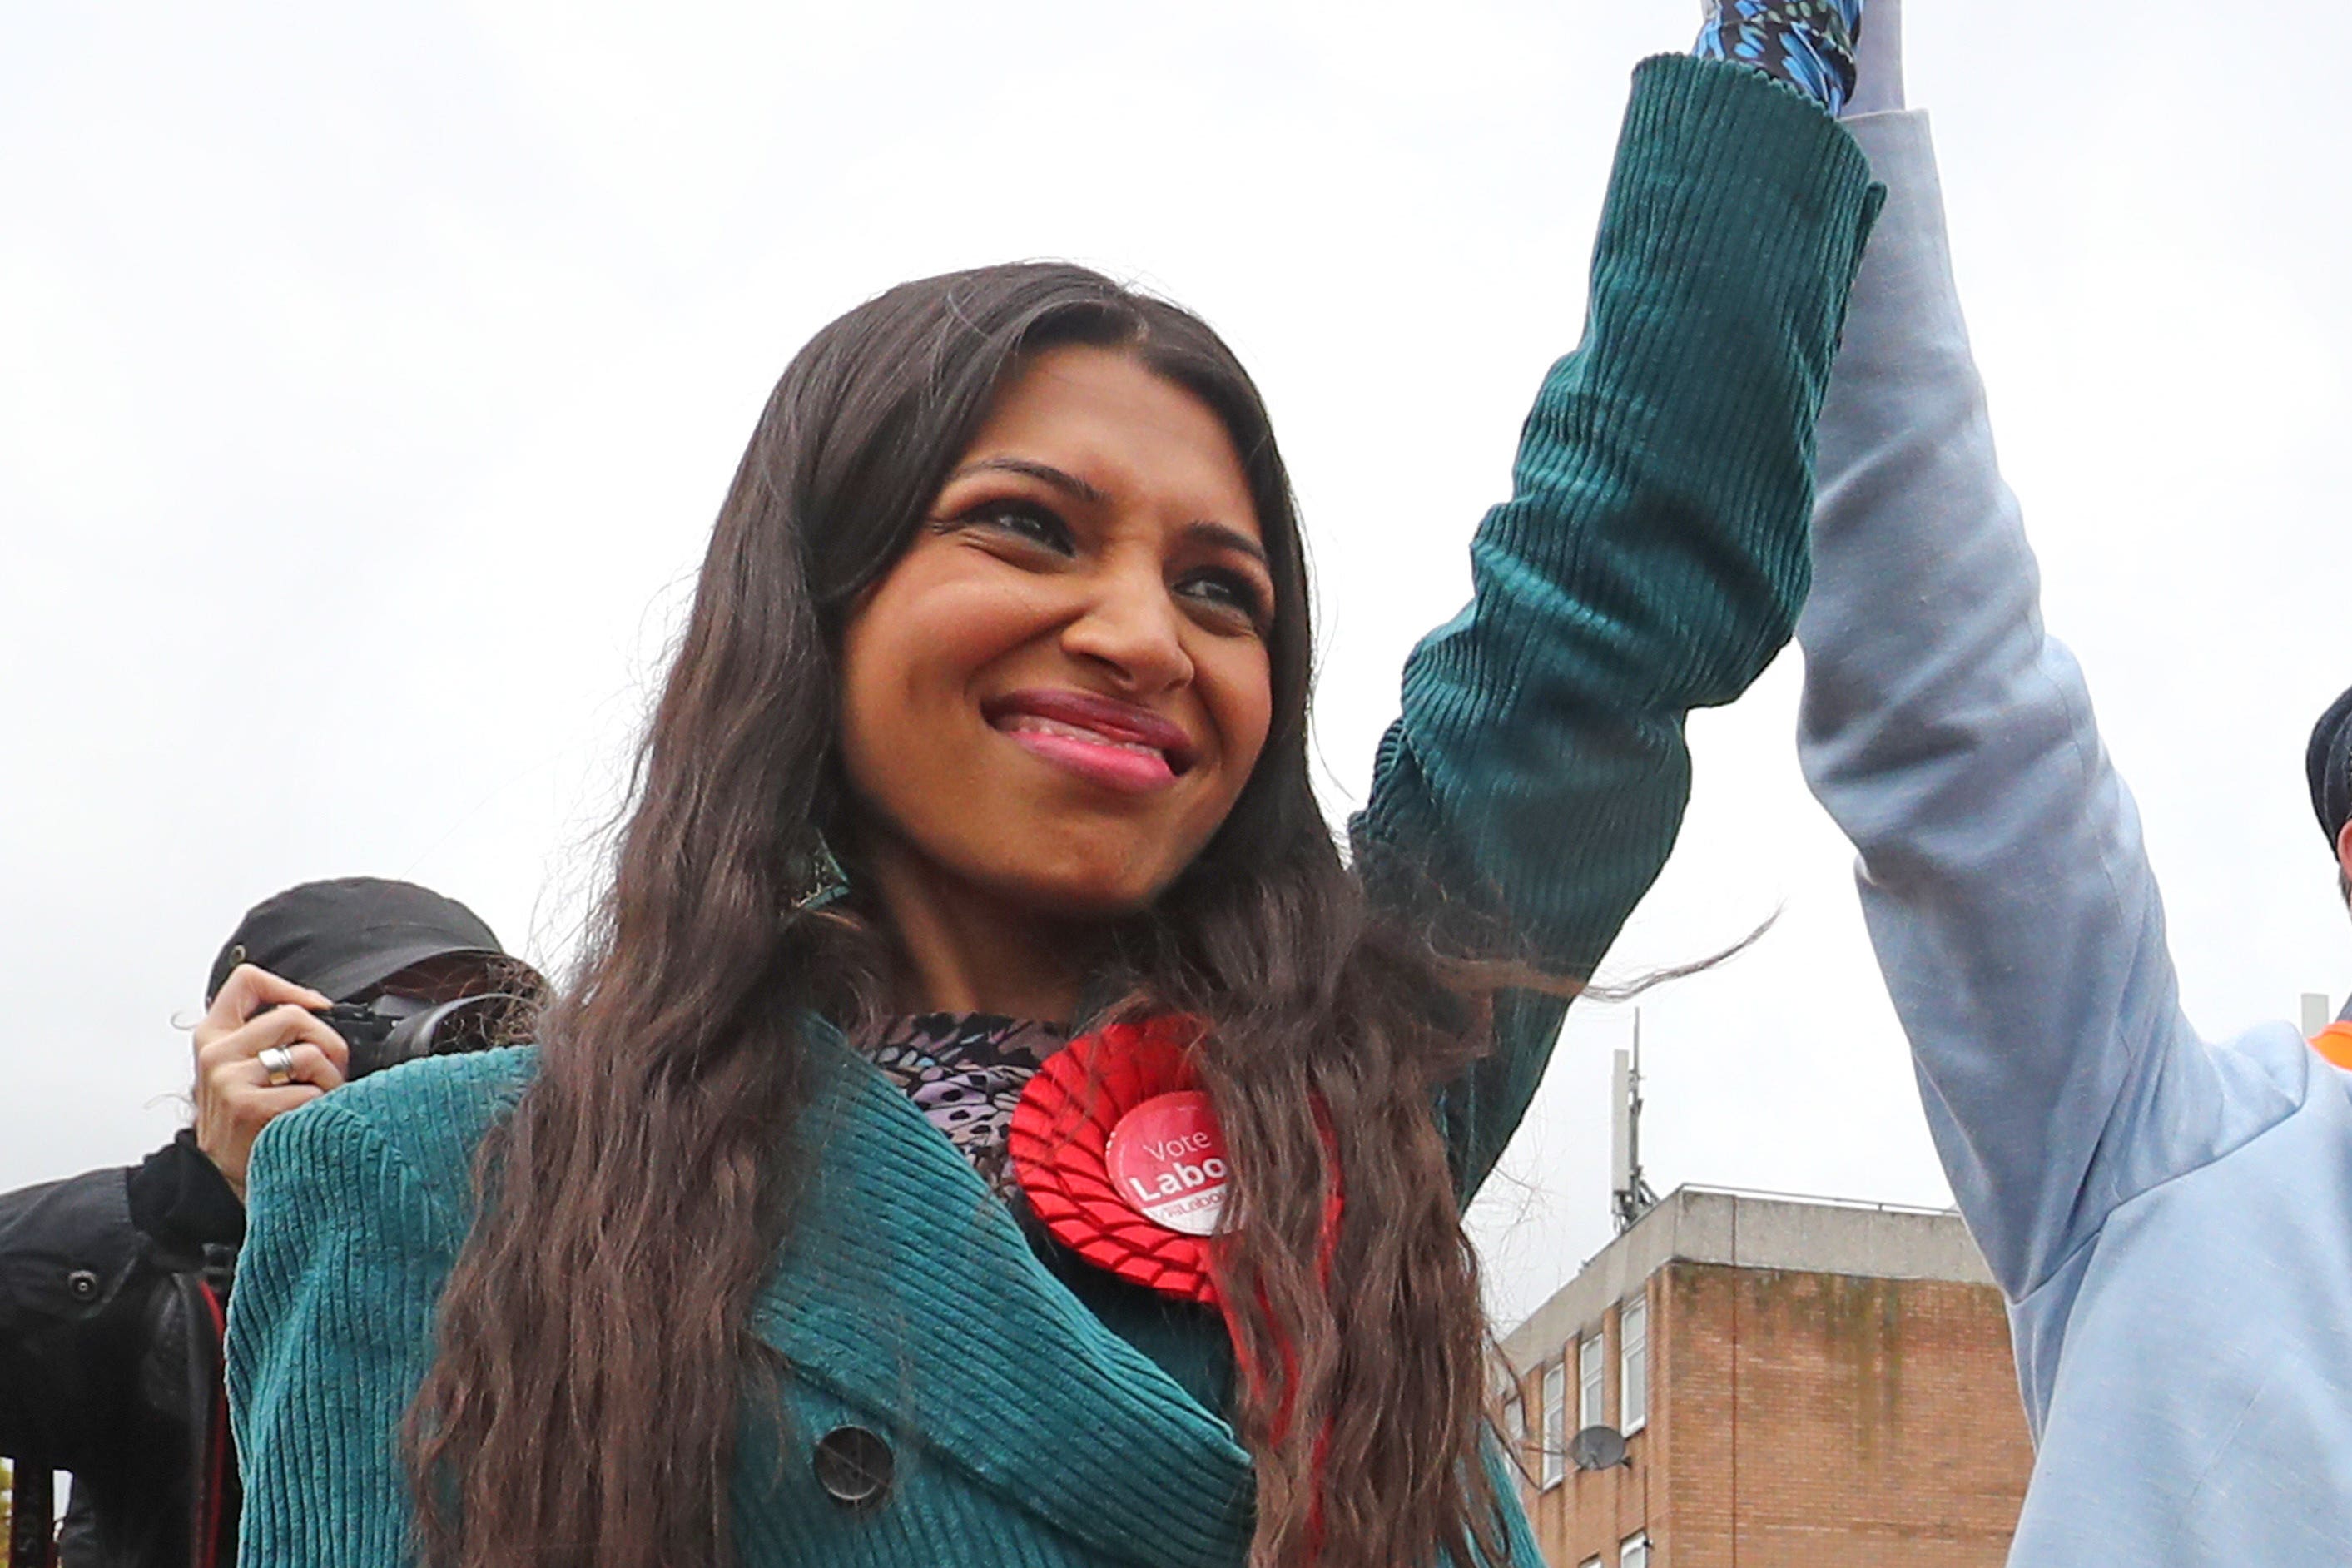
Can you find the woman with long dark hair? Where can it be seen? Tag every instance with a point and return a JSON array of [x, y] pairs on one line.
[[804, 1237]]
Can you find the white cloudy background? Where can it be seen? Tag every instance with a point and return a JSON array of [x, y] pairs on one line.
[[369, 376]]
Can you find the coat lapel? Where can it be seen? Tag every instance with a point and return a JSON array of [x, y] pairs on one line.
[[907, 1287]]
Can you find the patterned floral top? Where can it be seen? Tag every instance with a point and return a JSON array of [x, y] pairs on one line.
[[1809, 44], [965, 1072]]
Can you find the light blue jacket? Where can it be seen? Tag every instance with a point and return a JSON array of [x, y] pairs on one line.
[[2171, 1219]]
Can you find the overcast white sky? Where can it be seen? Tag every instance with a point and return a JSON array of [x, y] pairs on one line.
[[369, 377]]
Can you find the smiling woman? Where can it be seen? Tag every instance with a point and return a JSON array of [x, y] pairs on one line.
[[804, 1237]]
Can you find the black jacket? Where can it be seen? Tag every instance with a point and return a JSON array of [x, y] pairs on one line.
[[113, 1285]]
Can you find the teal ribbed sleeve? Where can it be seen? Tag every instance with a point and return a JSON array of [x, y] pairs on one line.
[[330, 1330], [1651, 560]]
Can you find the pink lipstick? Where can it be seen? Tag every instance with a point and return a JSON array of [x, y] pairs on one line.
[[1118, 745]]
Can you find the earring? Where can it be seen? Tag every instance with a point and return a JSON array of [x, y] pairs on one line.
[[824, 881]]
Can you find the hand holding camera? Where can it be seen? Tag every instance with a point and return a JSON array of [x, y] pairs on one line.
[[261, 1050], [269, 1046]]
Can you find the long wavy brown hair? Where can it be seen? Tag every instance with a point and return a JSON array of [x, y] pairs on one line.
[[638, 1195]]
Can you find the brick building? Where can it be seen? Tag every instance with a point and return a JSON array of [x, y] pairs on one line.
[[1798, 1385]]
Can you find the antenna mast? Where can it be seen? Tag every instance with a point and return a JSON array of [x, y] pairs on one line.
[[1630, 1196]]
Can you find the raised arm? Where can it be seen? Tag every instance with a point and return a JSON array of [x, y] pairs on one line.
[[1651, 559], [2002, 873]]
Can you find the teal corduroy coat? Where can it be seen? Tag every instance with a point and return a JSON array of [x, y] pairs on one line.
[[1651, 560]]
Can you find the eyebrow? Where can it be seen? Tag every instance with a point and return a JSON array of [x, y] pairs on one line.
[[1232, 538], [1044, 473], [1069, 484]]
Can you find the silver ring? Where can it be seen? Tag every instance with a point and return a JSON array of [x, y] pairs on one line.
[[279, 1063]]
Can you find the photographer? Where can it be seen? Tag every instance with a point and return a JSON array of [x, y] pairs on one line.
[[114, 1284]]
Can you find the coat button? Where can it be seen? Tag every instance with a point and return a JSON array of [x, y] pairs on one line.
[[82, 1285], [853, 1466]]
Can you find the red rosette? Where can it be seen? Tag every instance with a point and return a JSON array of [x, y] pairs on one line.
[[1059, 1142], [1173, 1163]]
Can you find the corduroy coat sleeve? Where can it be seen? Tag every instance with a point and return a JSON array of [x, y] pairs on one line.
[[331, 1332], [1652, 558]]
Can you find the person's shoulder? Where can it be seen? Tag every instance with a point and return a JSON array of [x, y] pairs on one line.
[[2269, 1083], [2272, 1061], [94, 1200], [417, 1124], [460, 1096], [437, 1109], [51, 1233]]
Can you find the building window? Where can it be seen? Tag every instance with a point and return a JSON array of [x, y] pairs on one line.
[[1589, 1360], [1633, 1551], [1633, 1365], [1554, 1424]]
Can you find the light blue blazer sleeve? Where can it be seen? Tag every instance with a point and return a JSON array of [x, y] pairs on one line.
[[2002, 873]]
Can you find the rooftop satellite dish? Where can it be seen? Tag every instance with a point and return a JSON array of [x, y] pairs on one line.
[[1597, 1448]]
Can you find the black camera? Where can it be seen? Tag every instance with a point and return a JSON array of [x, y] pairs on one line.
[[391, 1030]]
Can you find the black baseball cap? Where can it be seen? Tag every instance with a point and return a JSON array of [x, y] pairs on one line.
[[2328, 762], [341, 937]]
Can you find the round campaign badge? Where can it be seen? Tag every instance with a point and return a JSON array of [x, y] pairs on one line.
[[1167, 1159], [1060, 1139]]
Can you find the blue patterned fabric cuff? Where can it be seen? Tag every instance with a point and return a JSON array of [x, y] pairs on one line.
[[1809, 44]]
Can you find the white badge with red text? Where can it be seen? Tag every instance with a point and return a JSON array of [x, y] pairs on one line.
[[1168, 1160]]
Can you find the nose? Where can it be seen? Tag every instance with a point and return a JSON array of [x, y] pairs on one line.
[[1129, 628]]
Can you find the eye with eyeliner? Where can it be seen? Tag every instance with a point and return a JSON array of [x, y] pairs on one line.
[[1235, 593], [1018, 519]]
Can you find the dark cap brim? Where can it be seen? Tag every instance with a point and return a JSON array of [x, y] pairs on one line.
[[342, 936], [343, 982]]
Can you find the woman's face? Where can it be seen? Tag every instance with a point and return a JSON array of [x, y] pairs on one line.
[[1059, 691]]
